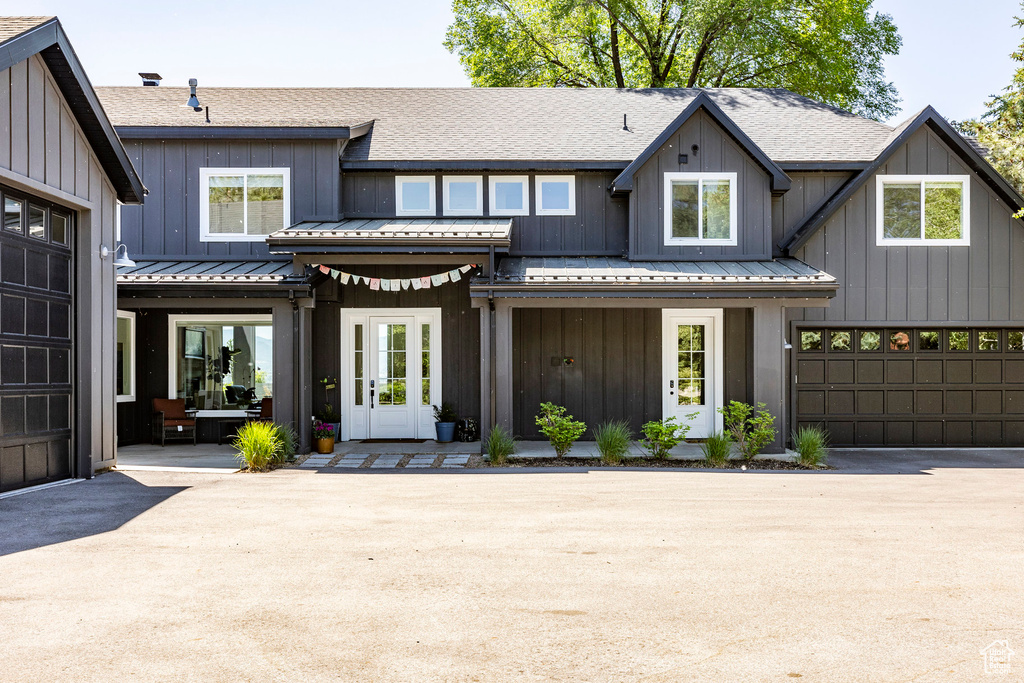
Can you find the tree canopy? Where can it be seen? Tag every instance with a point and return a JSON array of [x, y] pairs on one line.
[[829, 50], [1001, 127]]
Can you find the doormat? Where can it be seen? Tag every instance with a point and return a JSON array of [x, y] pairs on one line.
[[393, 441]]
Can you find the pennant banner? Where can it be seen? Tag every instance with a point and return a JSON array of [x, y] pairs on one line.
[[396, 285]]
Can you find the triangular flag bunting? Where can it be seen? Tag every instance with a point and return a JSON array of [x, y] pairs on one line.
[[325, 270], [335, 273], [454, 275], [405, 284], [343, 277], [374, 283], [385, 285], [396, 285], [425, 282], [417, 283], [466, 268]]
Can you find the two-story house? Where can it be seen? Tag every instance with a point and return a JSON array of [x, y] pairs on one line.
[[629, 254]]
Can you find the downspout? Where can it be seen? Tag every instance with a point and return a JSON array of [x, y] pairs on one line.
[[296, 342], [493, 322]]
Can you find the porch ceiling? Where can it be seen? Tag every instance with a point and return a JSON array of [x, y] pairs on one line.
[[383, 235], [538, 275]]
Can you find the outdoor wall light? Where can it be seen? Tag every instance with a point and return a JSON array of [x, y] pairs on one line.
[[119, 261]]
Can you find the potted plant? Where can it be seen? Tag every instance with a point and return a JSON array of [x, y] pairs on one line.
[[327, 413], [323, 437], [444, 422]]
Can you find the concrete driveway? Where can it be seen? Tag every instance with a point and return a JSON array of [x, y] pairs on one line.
[[860, 574]]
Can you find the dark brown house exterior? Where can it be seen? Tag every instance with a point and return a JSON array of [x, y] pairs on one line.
[[629, 254]]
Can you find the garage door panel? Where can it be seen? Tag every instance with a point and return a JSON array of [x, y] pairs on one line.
[[902, 386], [36, 341]]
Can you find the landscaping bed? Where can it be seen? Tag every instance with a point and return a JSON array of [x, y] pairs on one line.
[[758, 464]]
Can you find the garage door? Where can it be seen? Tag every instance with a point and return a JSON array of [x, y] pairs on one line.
[[35, 342], [912, 386]]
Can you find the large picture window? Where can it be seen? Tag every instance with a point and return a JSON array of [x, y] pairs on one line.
[[243, 204], [125, 379], [700, 209], [929, 210], [221, 362]]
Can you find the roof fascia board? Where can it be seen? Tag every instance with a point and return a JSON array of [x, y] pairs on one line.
[[585, 293], [334, 248], [52, 44], [235, 132], [827, 166], [780, 182], [928, 116], [485, 165]]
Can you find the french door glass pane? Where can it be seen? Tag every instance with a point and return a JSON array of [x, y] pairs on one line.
[[391, 368], [690, 380]]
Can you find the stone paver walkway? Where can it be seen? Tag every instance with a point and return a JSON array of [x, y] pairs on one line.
[[458, 460], [384, 461], [317, 461]]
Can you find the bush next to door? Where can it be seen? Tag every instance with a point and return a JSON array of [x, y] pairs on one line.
[[613, 439], [660, 436], [500, 445], [561, 429], [811, 445], [750, 432], [716, 449], [288, 442], [257, 444]]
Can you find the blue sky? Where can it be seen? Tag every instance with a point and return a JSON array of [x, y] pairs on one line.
[[951, 58]]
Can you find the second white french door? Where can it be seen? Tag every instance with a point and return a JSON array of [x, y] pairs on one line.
[[391, 369]]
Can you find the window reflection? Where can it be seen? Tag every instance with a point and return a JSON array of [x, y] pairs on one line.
[[224, 366]]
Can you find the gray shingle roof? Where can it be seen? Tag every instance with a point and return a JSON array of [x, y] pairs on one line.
[[515, 124], [11, 27], [619, 273]]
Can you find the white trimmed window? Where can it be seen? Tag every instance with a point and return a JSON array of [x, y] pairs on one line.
[[556, 195], [125, 380], [700, 208], [931, 210], [243, 204], [509, 195], [463, 195], [414, 195]]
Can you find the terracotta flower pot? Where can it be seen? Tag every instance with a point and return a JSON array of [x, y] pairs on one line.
[[324, 446]]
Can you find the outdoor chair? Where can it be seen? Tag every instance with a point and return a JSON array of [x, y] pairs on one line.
[[265, 413], [172, 421]]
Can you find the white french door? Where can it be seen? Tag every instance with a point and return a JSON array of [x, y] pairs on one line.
[[391, 368], [692, 368]]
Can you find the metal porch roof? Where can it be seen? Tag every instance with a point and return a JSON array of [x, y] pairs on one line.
[[169, 272], [380, 234]]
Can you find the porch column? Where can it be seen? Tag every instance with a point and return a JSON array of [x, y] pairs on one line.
[[769, 366], [304, 375], [292, 368], [485, 374], [503, 364]]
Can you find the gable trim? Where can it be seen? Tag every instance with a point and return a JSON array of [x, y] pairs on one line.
[[50, 42], [780, 182], [928, 116]]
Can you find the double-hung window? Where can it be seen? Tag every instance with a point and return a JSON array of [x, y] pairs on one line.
[[700, 209], [414, 195], [243, 204], [923, 209]]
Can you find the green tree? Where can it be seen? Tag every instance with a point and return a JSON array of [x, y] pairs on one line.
[[1001, 128], [829, 50]]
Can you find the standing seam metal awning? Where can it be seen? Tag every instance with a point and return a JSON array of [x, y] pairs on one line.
[[207, 273], [383, 235]]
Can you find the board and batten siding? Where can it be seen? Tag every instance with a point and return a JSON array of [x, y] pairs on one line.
[[168, 222], [978, 283], [717, 153], [599, 227], [460, 331], [616, 372], [807, 194], [44, 152]]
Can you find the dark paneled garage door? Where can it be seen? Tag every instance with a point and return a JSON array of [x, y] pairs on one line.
[[912, 386], [35, 342]]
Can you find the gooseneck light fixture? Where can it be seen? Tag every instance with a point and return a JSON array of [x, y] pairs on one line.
[[119, 261]]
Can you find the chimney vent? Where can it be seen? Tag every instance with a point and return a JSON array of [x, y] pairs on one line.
[[150, 78]]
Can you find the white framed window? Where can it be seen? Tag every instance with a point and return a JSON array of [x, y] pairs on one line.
[[932, 210], [415, 195], [700, 208], [220, 362], [509, 195], [125, 347], [463, 195], [556, 195], [243, 204]]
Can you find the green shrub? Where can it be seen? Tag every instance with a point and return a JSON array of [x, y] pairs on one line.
[[811, 445], [257, 443], [288, 442], [561, 429], [660, 436], [500, 445], [613, 439], [716, 449], [446, 413], [751, 434]]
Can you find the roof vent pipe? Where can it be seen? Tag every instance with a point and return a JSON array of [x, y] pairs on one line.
[[150, 78], [193, 101]]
